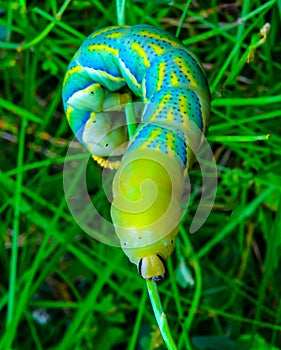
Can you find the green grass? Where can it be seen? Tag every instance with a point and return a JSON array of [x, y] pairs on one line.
[[59, 288]]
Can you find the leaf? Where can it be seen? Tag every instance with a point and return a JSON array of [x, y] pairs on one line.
[[214, 342], [184, 275], [258, 343]]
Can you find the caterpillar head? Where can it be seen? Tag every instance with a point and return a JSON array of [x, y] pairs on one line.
[[150, 259], [90, 98], [152, 267]]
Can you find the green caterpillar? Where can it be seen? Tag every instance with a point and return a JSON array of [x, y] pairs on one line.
[[149, 64]]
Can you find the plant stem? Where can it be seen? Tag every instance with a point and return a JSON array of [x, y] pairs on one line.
[[160, 315]]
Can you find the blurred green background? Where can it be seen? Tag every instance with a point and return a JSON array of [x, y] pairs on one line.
[[61, 289]]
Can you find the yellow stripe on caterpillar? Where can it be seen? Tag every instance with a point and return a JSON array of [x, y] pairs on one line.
[[104, 30], [71, 71], [103, 47], [174, 79], [147, 33], [161, 75], [186, 71], [68, 113], [114, 35], [141, 52], [157, 49]]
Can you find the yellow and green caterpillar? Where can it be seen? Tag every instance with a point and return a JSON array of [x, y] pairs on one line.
[[148, 63]]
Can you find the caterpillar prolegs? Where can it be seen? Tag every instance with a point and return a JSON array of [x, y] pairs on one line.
[[112, 66]]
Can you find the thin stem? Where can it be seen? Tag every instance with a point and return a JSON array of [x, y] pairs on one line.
[[195, 262], [130, 119], [182, 18], [160, 316], [19, 111], [133, 341], [120, 6], [251, 101], [16, 224], [242, 138], [47, 30]]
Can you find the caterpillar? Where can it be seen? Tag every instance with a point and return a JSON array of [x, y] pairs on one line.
[[112, 66]]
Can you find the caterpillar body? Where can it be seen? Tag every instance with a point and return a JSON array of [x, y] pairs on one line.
[[149, 63]]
